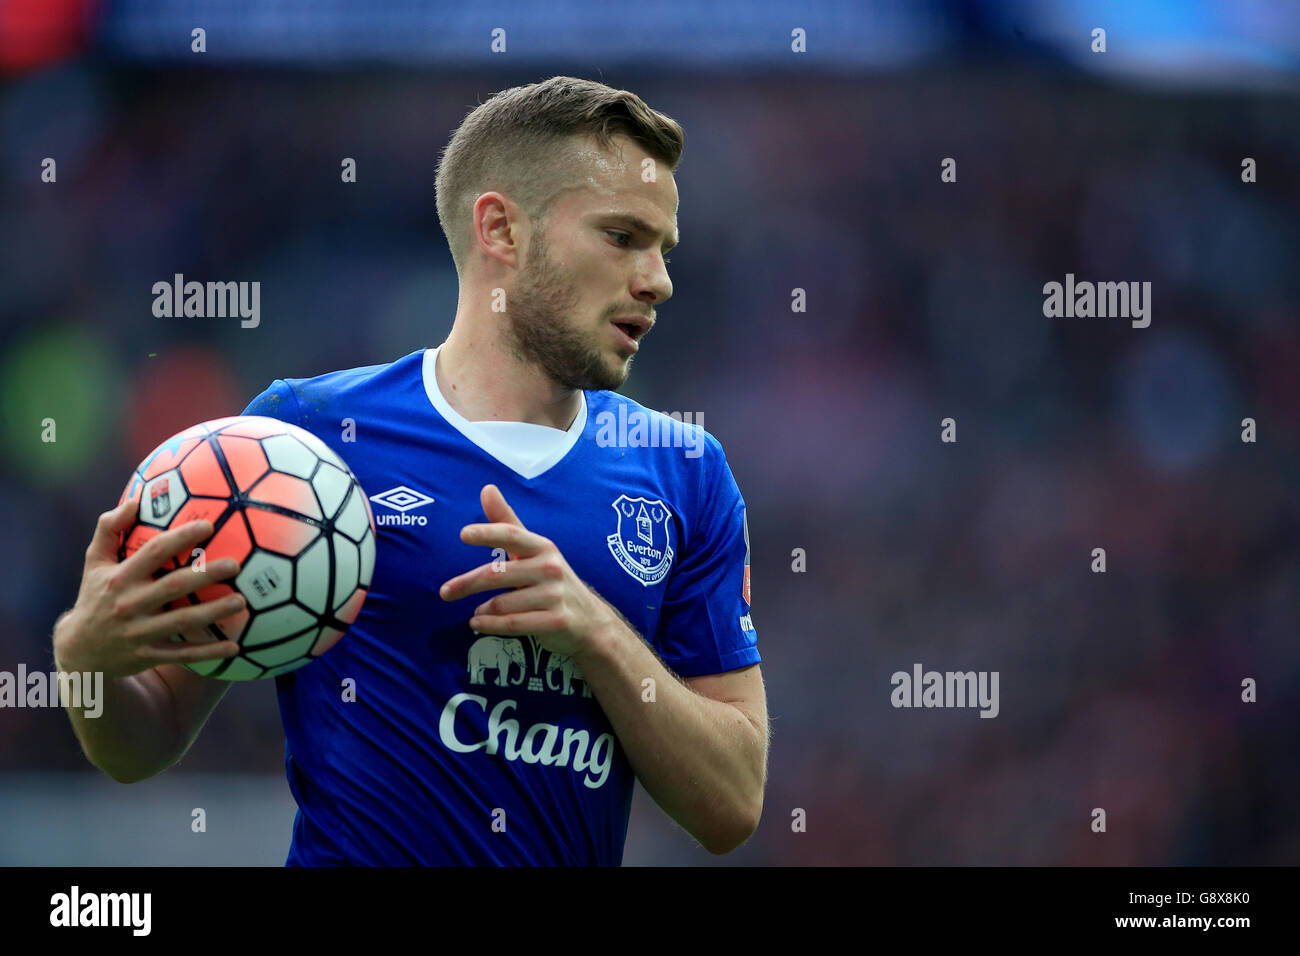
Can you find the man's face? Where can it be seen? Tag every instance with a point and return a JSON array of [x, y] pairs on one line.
[[594, 270]]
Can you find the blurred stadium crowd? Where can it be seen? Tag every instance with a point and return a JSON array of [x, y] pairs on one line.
[[924, 301]]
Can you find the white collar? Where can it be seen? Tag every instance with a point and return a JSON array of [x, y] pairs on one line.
[[525, 448]]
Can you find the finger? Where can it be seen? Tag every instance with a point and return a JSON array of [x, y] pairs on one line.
[[187, 653], [178, 583], [518, 542], [202, 635], [507, 625], [537, 597], [167, 623], [158, 549], [495, 506], [108, 532], [196, 636], [494, 577]]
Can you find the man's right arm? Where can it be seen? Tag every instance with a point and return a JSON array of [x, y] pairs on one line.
[[153, 708], [147, 722]]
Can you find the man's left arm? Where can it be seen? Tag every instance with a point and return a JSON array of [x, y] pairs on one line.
[[698, 744]]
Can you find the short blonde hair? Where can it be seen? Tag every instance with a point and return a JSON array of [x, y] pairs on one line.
[[520, 142]]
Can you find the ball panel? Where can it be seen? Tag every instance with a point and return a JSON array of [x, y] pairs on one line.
[[280, 533], [218, 590], [201, 430], [328, 638], [231, 540], [370, 514], [167, 456], [205, 668], [352, 519], [331, 485], [162, 498], [266, 580], [240, 669], [287, 454], [217, 424], [347, 568], [200, 509], [245, 460], [137, 538], [351, 607], [286, 491], [255, 426], [367, 559], [290, 650], [134, 486], [202, 473], [277, 624], [230, 628], [312, 571], [318, 447]]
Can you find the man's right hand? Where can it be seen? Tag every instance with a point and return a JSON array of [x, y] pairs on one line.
[[118, 626]]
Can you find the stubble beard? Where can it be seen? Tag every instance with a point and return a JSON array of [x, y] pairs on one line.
[[539, 333]]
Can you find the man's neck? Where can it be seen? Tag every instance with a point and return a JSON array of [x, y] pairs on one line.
[[483, 381]]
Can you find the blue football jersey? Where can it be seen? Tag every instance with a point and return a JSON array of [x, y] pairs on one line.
[[414, 740]]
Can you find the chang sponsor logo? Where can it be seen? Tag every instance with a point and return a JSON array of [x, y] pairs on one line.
[[495, 661], [547, 744]]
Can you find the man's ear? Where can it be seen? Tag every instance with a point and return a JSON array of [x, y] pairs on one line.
[[499, 228]]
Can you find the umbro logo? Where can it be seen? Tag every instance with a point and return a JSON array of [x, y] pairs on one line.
[[401, 499]]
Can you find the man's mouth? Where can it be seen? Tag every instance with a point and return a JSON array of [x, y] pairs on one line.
[[633, 326]]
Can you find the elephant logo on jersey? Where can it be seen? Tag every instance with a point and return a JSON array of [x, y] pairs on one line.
[[502, 654], [568, 672], [581, 741], [641, 544], [496, 654]]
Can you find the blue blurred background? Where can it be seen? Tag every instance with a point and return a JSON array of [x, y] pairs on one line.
[[816, 170]]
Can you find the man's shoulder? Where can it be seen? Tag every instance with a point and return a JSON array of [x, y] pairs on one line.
[[621, 421], [317, 392], [350, 378], [299, 400]]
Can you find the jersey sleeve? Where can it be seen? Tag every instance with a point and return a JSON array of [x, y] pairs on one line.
[[276, 401], [705, 626]]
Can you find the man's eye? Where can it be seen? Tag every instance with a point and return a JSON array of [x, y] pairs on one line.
[[625, 235]]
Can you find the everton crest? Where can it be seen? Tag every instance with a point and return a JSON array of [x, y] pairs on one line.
[[641, 544]]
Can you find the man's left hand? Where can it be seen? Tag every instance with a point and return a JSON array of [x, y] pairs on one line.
[[549, 600]]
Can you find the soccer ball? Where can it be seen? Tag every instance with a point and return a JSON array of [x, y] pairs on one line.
[[288, 510]]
